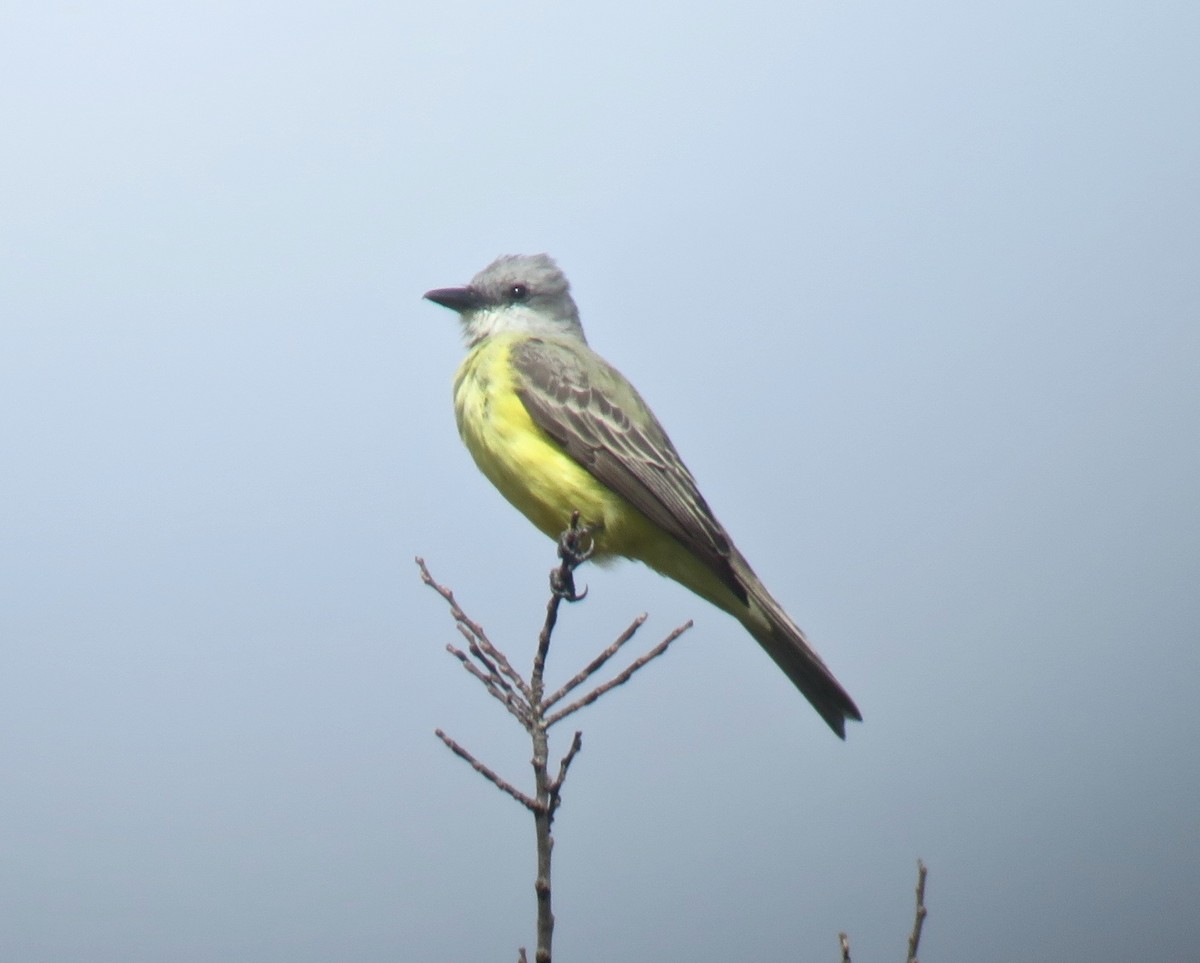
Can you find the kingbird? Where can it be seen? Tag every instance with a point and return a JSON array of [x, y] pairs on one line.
[[557, 430]]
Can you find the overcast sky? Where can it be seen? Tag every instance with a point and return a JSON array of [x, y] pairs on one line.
[[914, 287]]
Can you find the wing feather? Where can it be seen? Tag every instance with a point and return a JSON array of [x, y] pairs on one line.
[[588, 407]]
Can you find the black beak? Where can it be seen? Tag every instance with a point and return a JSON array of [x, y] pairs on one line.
[[456, 299]]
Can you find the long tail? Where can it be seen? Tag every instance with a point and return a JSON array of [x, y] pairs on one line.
[[766, 620]]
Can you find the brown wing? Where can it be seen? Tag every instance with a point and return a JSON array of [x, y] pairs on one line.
[[598, 417]]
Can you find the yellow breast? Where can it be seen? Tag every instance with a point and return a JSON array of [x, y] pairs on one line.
[[528, 467]]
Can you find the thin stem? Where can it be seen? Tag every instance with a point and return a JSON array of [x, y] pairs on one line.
[[574, 548], [473, 628], [565, 764], [621, 678], [542, 818], [595, 665], [914, 940], [499, 782], [511, 701]]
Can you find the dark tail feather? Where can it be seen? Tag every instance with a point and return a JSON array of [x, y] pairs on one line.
[[787, 645]]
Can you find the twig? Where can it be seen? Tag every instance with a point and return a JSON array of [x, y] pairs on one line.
[[474, 628], [564, 764], [507, 697], [621, 678], [596, 664], [914, 939], [487, 661], [497, 781], [575, 547]]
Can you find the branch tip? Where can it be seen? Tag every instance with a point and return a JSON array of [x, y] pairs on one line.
[[914, 939]]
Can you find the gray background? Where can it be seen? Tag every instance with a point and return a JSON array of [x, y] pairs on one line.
[[914, 288]]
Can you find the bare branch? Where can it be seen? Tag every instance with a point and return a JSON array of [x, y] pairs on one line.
[[596, 664], [914, 939], [575, 546], [619, 679], [478, 654], [543, 649], [456, 611], [487, 662], [524, 700], [554, 788], [484, 771], [510, 700], [505, 667], [473, 627], [565, 764]]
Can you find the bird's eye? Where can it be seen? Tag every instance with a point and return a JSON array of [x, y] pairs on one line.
[[518, 292]]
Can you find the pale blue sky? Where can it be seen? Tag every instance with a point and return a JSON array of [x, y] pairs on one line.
[[913, 287]]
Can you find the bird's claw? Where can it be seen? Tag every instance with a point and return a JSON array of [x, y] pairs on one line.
[[575, 546], [562, 584]]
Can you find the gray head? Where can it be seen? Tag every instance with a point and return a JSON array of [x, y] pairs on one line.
[[524, 293]]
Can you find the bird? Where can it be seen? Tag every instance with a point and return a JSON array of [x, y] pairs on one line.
[[558, 430]]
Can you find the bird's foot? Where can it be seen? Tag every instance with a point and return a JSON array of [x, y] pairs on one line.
[[562, 584], [575, 546]]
